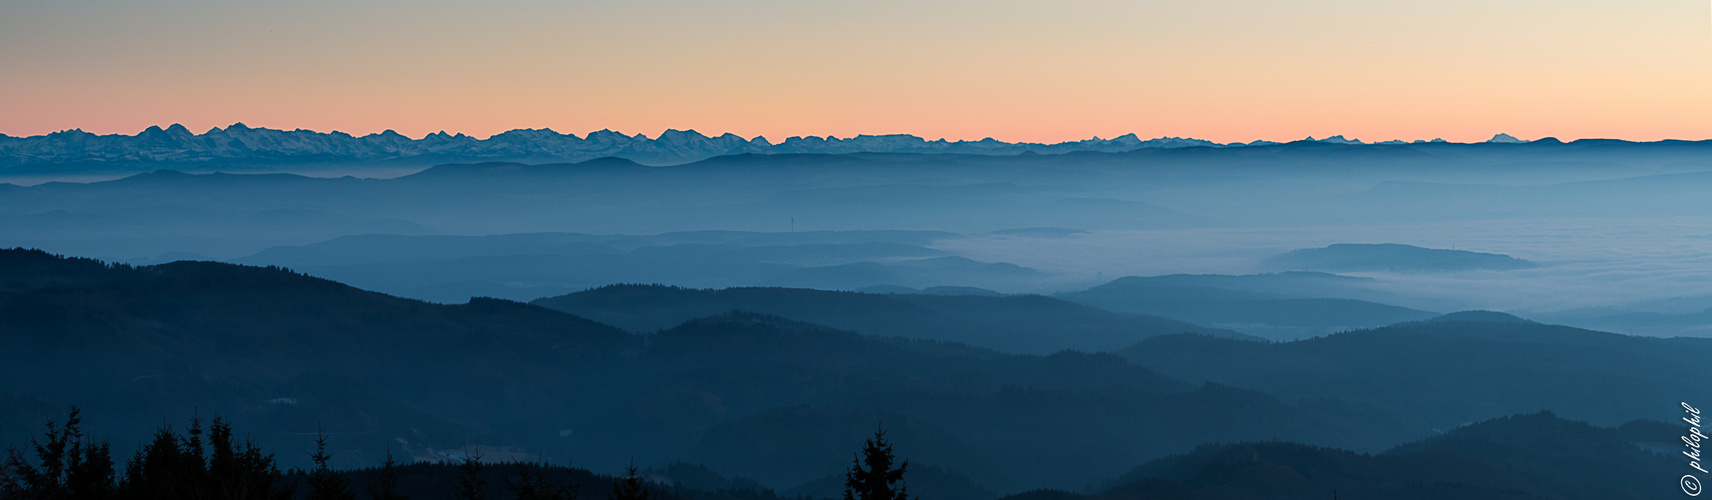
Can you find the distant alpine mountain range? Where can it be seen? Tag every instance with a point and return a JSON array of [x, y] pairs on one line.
[[243, 146]]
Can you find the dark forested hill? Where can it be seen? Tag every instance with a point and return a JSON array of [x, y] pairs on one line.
[[1536, 456], [1029, 324], [286, 354], [1457, 369], [276, 348], [1280, 306], [770, 398]]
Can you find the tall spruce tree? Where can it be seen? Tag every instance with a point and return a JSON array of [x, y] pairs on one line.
[[878, 481], [631, 487], [241, 473], [532, 484], [193, 459], [470, 481], [385, 486], [157, 470], [324, 483]]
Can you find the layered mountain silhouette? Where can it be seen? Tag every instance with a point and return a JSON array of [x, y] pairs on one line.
[[528, 266], [1028, 324], [1352, 257], [1533, 456], [1455, 369], [229, 216], [284, 352], [1279, 306]]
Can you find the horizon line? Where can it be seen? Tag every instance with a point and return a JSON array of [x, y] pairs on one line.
[[1499, 137]]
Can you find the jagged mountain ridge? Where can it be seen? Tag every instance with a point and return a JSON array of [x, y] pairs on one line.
[[241, 144]]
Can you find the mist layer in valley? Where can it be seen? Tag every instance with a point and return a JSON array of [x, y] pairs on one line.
[[1602, 234], [778, 401], [1108, 323]]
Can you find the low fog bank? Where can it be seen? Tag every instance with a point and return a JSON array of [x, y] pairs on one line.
[[1641, 264], [1607, 230], [1653, 280]]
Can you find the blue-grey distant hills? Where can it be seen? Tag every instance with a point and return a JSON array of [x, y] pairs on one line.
[[452, 269], [243, 145], [765, 397], [1024, 324], [1453, 369], [239, 147], [1281, 306], [1352, 257], [1565, 459]]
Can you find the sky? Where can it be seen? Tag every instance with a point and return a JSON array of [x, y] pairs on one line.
[[1046, 71]]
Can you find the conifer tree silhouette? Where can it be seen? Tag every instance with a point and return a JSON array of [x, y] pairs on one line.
[[172, 467], [240, 473], [470, 482], [385, 486], [193, 463], [324, 483], [224, 463], [151, 472], [71, 466], [877, 480], [533, 485], [632, 487]]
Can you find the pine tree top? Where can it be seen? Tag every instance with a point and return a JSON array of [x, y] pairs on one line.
[[871, 476]]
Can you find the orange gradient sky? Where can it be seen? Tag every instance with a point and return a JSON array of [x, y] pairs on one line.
[[1230, 70]]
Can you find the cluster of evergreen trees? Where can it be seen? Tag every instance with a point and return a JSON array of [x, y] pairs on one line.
[[196, 465], [210, 465]]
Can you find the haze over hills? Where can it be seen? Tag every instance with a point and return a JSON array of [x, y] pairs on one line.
[[1533, 456], [981, 270], [528, 266], [1147, 212], [1016, 324], [280, 351], [1456, 369], [1353, 257], [1143, 189], [767, 397], [1282, 306], [1111, 307], [1696, 324]]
